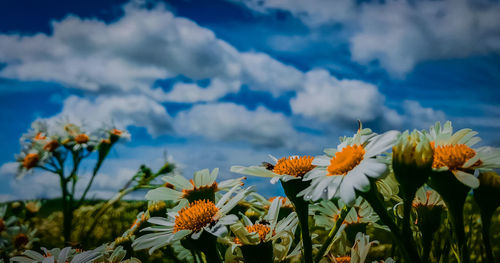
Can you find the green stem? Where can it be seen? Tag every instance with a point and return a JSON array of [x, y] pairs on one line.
[[209, 248], [408, 251], [292, 188], [261, 253], [87, 188], [67, 213], [343, 213], [454, 194], [486, 219], [104, 208]]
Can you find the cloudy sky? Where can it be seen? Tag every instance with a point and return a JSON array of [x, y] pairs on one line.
[[221, 83]]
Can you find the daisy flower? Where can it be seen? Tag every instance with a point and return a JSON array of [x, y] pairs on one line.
[[348, 168], [29, 159], [203, 186], [271, 233], [454, 152], [326, 214], [359, 251], [199, 217], [285, 169]]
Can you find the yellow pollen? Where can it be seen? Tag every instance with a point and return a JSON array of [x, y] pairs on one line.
[[260, 229], [294, 166], [2, 225], [452, 156], [345, 259], [202, 189], [39, 136], [116, 132], [199, 214], [51, 146], [31, 160], [344, 161], [20, 240], [81, 138]]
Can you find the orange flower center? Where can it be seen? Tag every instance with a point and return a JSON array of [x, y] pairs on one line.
[[452, 156], [294, 166], [345, 259], [2, 225], [31, 160], [344, 161], [39, 136], [116, 132], [260, 229], [199, 193], [20, 240], [199, 214], [81, 138], [51, 146]]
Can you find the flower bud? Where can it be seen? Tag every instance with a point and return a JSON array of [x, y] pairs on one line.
[[412, 160]]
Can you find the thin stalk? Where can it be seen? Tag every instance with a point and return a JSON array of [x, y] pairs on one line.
[[303, 215], [105, 207], [408, 251], [87, 188], [457, 221], [486, 220], [343, 213], [292, 188]]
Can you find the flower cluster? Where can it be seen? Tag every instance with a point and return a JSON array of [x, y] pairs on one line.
[[403, 184]]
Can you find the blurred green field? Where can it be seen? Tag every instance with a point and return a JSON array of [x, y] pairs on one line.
[[122, 215]]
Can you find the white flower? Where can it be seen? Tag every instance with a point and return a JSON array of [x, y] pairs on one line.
[[269, 229], [347, 169], [285, 169], [453, 152], [203, 186], [201, 215], [326, 214]]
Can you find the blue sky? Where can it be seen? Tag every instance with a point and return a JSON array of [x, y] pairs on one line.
[[221, 83]]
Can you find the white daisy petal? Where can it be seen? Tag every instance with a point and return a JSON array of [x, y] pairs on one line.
[[373, 168], [467, 179], [381, 143], [347, 194], [252, 170], [321, 160]]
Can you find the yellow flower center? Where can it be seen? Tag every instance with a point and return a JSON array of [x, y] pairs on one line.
[[2, 225], [81, 138], [31, 160], [198, 193], [199, 214], [345, 259], [116, 132], [344, 161], [260, 229], [51, 146], [40, 136], [294, 166], [20, 240], [452, 156]]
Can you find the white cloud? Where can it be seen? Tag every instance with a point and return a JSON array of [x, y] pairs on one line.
[[141, 47], [231, 122], [400, 34], [130, 53], [191, 92], [419, 117], [8, 169], [312, 12], [121, 111], [331, 100]]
